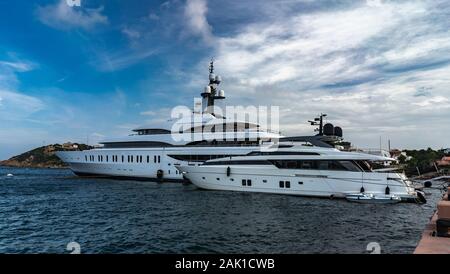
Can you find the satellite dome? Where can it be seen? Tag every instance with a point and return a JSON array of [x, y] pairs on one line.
[[218, 79], [328, 129]]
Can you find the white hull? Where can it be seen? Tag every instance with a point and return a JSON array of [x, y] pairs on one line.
[[87, 162], [267, 179]]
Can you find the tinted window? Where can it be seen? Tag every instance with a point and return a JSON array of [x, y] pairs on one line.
[[350, 166]]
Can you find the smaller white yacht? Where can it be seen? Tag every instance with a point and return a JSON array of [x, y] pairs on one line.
[[304, 170]]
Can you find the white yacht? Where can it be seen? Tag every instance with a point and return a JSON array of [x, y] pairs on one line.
[[303, 170], [153, 153]]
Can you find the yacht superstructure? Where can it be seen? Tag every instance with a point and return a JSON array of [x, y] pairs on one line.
[[153, 152]]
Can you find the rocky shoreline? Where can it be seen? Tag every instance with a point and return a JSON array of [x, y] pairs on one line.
[[43, 157]]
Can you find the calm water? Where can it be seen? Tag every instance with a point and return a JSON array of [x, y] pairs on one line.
[[42, 210]]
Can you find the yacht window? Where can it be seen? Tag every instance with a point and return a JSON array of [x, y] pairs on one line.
[[148, 159], [107, 158], [292, 164], [308, 164], [350, 166], [249, 182], [287, 184], [243, 162], [364, 166], [282, 184], [300, 183], [244, 182], [152, 131], [335, 165], [123, 158], [159, 159], [154, 159], [264, 181], [256, 153], [85, 157]]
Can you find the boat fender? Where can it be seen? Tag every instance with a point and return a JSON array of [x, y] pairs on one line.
[[421, 197], [228, 171], [362, 190], [427, 184], [160, 174], [387, 191]]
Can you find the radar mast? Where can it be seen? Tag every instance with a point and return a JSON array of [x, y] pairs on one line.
[[211, 92]]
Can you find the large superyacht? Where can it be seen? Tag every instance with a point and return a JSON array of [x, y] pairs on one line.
[[154, 152]]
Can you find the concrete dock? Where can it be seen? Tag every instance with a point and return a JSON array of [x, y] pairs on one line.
[[436, 236]]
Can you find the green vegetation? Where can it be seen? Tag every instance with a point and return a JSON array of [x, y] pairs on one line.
[[423, 159], [43, 156]]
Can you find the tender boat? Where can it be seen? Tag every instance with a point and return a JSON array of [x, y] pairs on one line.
[[370, 198]]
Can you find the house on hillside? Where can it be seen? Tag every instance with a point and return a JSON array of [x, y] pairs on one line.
[[444, 162]]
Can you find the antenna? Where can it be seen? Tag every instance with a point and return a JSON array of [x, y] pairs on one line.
[[211, 65], [211, 92], [318, 121]]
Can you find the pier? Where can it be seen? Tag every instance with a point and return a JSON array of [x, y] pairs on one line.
[[436, 236]]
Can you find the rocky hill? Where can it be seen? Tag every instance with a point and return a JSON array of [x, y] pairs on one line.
[[43, 156]]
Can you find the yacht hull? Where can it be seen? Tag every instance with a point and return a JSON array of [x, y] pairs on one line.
[[146, 164], [268, 179]]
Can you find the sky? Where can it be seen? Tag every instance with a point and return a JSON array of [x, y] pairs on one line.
[[379, 69]]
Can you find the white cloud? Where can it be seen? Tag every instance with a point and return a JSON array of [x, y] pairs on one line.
[[195, 14], [363, 64], [119, 60], [17, 66], [131, 33], [153, 16], [9, 70], [148, 113], [15, 105], [62, 16]]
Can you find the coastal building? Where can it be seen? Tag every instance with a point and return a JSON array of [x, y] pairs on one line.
[[70, 146], [444, 162], [395, 153]]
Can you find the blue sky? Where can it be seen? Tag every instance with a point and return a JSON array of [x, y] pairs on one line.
[[378, 68]]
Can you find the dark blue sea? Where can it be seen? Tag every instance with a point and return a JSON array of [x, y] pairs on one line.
[[42, 210]]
